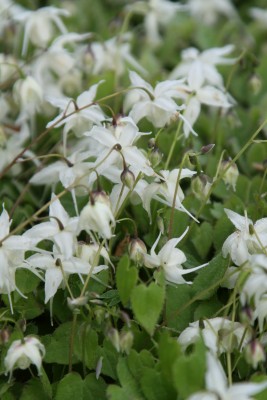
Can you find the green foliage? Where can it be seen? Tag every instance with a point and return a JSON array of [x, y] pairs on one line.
[[147, 303], [189, 371], [126, 279], [73, 386]]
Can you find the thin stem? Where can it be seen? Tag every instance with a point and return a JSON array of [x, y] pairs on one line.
[[176, 137], [174, 197], [71, 346]]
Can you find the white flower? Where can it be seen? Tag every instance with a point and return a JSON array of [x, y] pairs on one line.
[[218, 388], [122, 135], [197, 92], [39, 25], [57, 64], [156, 104], [219, 334], [164, 191], [23, 353], [12, 252], [61, 229], [71, 171], [170, 259], [78, 121], [57, 268], [259, 14], [29, 95], [207, 61], [113, 54], [97, 216], [247, 239], [157, 13], [208, 11], [254, 290]]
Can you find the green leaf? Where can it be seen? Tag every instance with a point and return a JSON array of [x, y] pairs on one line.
[[29, 307], [189, 371], [115, 392], [169, 351], [58, 345], [26, 281], [93, 388], [86, 346], [110, 359], [147, 303], [208, 308], [154, 387], [70, 387], [202, 239], [126, 279], [138, 361], [34, 390], [179, 306], [127, 381], [210, 277]]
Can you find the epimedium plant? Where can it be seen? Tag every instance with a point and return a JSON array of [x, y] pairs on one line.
[[133, 230]]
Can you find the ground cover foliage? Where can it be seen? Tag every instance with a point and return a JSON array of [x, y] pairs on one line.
[[133, 228]]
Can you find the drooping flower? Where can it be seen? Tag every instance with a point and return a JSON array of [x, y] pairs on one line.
[[113, 54], [39, 25], [196, 92], [157, 105], [217, 386], [79, 121], [164, 190], [247, 239], [208, 11], [206, 63], [158, 13], [22, 353], [117, 147], [61, 229], [97, 216], [12, 251], [170, 259], [219, 334]]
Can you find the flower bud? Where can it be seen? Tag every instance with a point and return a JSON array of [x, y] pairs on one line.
[[254, 353], [126, 341], [230, 175], [201, 185], [97, 215], [28, 94], [100, 314], [114, 337], [137, 249], [155, 156], [4, 335], [206, 149], [78, 302], [246, 315], [255, 84], [160, 224], [128, 178]]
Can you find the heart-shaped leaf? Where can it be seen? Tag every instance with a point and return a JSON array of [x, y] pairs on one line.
[[147, 303], [126, 279]]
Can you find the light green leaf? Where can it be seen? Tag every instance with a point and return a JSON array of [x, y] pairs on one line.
[[202, 239], [147, 303], [126, 279], [210, 277], [189, 371], [70, 387], [179, 308]]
